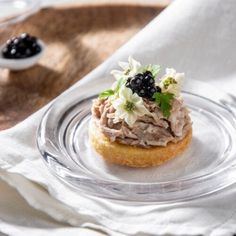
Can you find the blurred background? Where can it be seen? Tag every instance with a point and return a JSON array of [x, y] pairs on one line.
[[79, 35]]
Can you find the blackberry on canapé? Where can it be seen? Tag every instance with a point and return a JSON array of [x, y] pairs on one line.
[[143, 84], [141, 93], [149, 77], [147, 72], [158, 89], [153, 90], [148, 92], [127, 84], [136, 81], [23, 46]]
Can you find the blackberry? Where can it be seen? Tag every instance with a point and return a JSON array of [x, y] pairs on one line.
[[149, 73], [128, 85], [149, 77], [142, 84], [147, 92], [136, 81], [142, 93], [23, 46], [24, 36], [153, 90], [158, 89]]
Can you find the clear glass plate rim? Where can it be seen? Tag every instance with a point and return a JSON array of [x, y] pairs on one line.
[[104, 182]]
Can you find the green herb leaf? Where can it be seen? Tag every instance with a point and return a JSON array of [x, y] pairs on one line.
[[105, 94], [154, 69], [163, 100]]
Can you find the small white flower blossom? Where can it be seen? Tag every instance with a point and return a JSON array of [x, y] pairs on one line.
[[130, 68], [129, 106], [172, 82], [117, 74]]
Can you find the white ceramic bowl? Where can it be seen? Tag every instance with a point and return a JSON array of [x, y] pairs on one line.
[[22, 63]]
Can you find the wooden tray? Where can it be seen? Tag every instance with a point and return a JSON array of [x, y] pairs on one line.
[[78, 38]]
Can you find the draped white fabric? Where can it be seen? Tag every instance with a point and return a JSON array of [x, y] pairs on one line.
[[195, 37]]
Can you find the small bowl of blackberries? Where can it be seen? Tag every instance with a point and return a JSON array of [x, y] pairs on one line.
[[21, 52]]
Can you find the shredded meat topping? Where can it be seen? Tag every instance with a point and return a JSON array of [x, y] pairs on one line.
[[147, 131]]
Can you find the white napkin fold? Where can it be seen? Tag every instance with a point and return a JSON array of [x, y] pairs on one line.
[[196, 37]]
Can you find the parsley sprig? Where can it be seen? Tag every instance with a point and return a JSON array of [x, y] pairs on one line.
[[107, 93], [163, 100]]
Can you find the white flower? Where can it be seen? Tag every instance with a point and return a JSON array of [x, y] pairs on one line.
[[130, 68], [116, 87], [172, 82], [117, 74], [129, 106]]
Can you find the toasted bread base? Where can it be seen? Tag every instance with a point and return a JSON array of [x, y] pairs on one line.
[[133, 156]]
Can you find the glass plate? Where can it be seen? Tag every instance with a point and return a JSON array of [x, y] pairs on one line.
[[206, 167], [13, 11]]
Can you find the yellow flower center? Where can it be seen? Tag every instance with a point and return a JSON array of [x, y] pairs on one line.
[[169, 81], [129, 106]]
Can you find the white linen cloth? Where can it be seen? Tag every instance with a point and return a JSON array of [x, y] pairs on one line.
[[197, 37]]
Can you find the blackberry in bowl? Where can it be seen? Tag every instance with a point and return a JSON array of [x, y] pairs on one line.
[[21, 52], [23, 46]]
